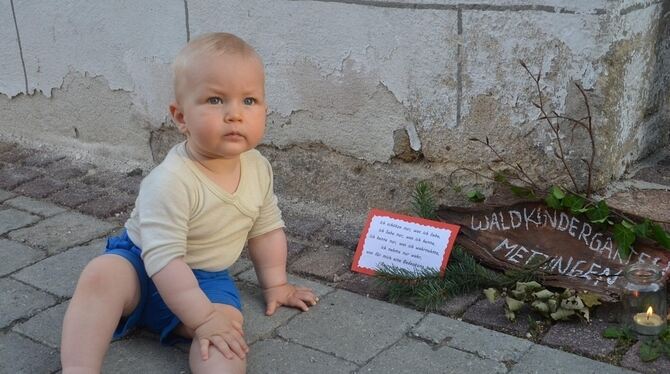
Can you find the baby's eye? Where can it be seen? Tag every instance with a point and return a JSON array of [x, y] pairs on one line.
[[249, 101], [214, 100]]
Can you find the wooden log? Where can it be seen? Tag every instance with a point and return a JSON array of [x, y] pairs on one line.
[[576, 253]]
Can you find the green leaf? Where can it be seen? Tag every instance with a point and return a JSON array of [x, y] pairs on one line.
[[613, 332], [476, 196], [624, 237], [500, 178], [574, 203], [599, 213], [553, 202], [557, 192], [649, 351], [643, 229], [660, 235], [627, 224], [522, 191]]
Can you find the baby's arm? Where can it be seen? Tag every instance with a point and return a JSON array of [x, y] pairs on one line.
[[180, 291], [268, 253]]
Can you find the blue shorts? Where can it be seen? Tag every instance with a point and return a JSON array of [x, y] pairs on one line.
[[151, 311]]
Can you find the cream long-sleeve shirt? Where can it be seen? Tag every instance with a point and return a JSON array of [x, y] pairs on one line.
[[180, 212]]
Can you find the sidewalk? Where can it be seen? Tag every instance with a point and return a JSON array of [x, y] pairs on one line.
[[55, 215]]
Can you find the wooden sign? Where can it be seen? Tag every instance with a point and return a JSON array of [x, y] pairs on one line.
[[405, 242], [577, 254]]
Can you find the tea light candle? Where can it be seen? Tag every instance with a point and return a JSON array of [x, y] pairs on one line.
[[648, 323]]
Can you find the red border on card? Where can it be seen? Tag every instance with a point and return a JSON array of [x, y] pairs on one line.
[[422, 221]]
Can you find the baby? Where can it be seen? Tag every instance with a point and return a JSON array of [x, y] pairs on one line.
[[194, 212]]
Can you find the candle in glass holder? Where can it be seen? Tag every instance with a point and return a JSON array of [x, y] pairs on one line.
[[648, 323]]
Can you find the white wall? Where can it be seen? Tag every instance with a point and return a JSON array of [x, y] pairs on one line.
[[346, 74]]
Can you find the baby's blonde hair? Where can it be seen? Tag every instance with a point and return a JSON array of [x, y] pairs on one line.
[[212, 44]]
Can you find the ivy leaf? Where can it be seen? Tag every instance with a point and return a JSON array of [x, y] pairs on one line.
[[557, 192], [649, 352], [599, 213], [643, 229], [624, 238], [627, 224], [613, 332], [553, 202], [476, 196], [522, 191], [575, 203], [660, 235]]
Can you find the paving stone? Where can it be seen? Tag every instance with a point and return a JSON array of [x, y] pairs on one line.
[[364, 285], [319, 289], [303, 225], [59, 274], [455, 306], [350, 326], [62, 231], [5, 195], [11, 177], [6, 147], [66, 170], [34, 206], [241, 265], [129, 184], [294, 250], [590, 343], [492, 316], [608, 312], [41, 159], [631, 360], [20, 301], [16, 255], [108, 205], [22, 356], [144, 356], [46, 327], [474, 339], [327, 263], [11, 219], [256, 324], [412, 356], [540, 359], [345, 235], [77, 193], [16, 155], [121, 181], [278, 356], [40, 187]]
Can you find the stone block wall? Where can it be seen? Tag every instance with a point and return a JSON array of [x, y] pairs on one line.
[[367, 97]]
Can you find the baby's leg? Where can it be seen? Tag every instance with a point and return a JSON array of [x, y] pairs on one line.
[[216, 363], [108, 289]]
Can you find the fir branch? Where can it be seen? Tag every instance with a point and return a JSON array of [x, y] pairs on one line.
[[423, 201]]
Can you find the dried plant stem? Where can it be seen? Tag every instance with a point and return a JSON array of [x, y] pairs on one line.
[[528, 180], [554, 126]]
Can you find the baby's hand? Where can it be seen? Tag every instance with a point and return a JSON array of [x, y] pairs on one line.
[[224, 334], [288, 295]]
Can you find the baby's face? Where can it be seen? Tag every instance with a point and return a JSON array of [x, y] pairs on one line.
[[223, 102]]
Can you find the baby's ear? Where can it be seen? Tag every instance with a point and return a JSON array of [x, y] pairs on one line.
[[178, 117]]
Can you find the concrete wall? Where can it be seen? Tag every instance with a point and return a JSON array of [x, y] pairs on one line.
[[366, 97]]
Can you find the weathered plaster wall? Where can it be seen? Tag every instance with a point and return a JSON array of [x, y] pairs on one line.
[[382, 93]]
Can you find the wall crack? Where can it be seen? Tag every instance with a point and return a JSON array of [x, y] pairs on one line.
[[18, 39]]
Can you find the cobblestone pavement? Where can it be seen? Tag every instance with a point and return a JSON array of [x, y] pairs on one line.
[[55, 214]]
